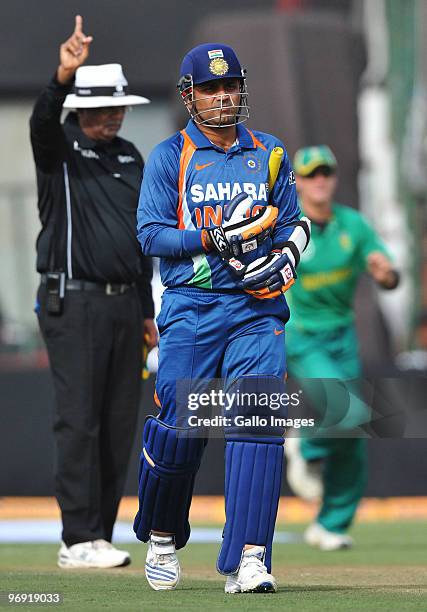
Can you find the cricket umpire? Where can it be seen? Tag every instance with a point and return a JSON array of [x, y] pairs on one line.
[[94, 302]]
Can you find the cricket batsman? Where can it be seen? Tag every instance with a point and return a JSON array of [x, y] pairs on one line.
[[322, 343], [218, 205]]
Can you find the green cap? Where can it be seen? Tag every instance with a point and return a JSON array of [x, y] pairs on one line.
[[309, 158]]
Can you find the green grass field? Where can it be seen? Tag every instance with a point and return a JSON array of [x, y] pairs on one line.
[[387, 570]]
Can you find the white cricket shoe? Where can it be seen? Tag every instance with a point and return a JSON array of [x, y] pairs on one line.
[[304, 477], [316, 535], [252, 576], [97, 553], [162, 568]]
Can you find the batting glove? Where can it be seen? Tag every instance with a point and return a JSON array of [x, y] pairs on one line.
[[269, 276], [239, 234]]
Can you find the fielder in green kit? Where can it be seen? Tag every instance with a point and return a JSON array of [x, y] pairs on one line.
[[321, 343]]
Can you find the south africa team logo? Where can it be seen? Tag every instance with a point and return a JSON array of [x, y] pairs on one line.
[[345, 241], [218, 66]]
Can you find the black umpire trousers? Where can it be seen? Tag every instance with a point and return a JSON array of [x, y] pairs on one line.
[[95, 354]]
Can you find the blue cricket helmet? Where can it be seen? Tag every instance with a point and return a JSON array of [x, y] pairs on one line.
[[211, 61]]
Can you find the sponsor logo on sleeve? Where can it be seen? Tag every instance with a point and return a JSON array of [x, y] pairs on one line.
[[125, 159]]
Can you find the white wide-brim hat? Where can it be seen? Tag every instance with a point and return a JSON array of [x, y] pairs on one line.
[[98, 86]]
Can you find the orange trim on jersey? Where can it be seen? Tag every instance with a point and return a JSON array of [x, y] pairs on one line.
[[188, 149], [156, 400], [257, 143]]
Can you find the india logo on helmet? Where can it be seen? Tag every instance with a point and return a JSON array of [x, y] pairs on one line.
[[218, 66]]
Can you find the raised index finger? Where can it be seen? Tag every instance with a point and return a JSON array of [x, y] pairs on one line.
[[79, 25]]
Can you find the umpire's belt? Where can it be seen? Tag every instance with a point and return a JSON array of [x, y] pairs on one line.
[[83, 285]]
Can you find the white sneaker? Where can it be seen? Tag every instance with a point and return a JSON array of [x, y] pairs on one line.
[[161, 565], [97, 553], [316, 535], [252, 576], [304, 477]]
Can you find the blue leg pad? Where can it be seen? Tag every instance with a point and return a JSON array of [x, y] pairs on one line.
[[252, 491], [170, 459]]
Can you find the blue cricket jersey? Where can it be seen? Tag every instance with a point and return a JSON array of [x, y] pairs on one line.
[[188, 181]]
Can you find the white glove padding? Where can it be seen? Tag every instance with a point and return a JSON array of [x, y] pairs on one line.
[[152, 362], [297, 241], [238, 233], [269, 276]]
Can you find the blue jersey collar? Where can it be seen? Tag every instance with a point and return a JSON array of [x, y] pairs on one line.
[[243, 136]]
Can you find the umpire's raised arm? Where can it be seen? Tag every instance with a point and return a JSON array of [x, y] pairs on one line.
[[47, 138]]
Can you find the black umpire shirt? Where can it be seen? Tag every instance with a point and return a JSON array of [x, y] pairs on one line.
[[87, 198]]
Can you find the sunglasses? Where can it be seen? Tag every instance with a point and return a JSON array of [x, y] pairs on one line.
[[322, 170]]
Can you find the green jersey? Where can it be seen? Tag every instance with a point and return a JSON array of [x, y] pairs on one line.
[[322, 297]]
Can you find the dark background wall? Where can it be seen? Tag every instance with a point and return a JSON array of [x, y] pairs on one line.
[[397, 467], [148, 36]]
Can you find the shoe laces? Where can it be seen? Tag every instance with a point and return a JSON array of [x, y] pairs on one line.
[[164, 559], [253, 564], [159, 557]]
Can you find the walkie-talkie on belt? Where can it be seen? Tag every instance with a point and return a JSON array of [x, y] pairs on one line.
[[55, 292]]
